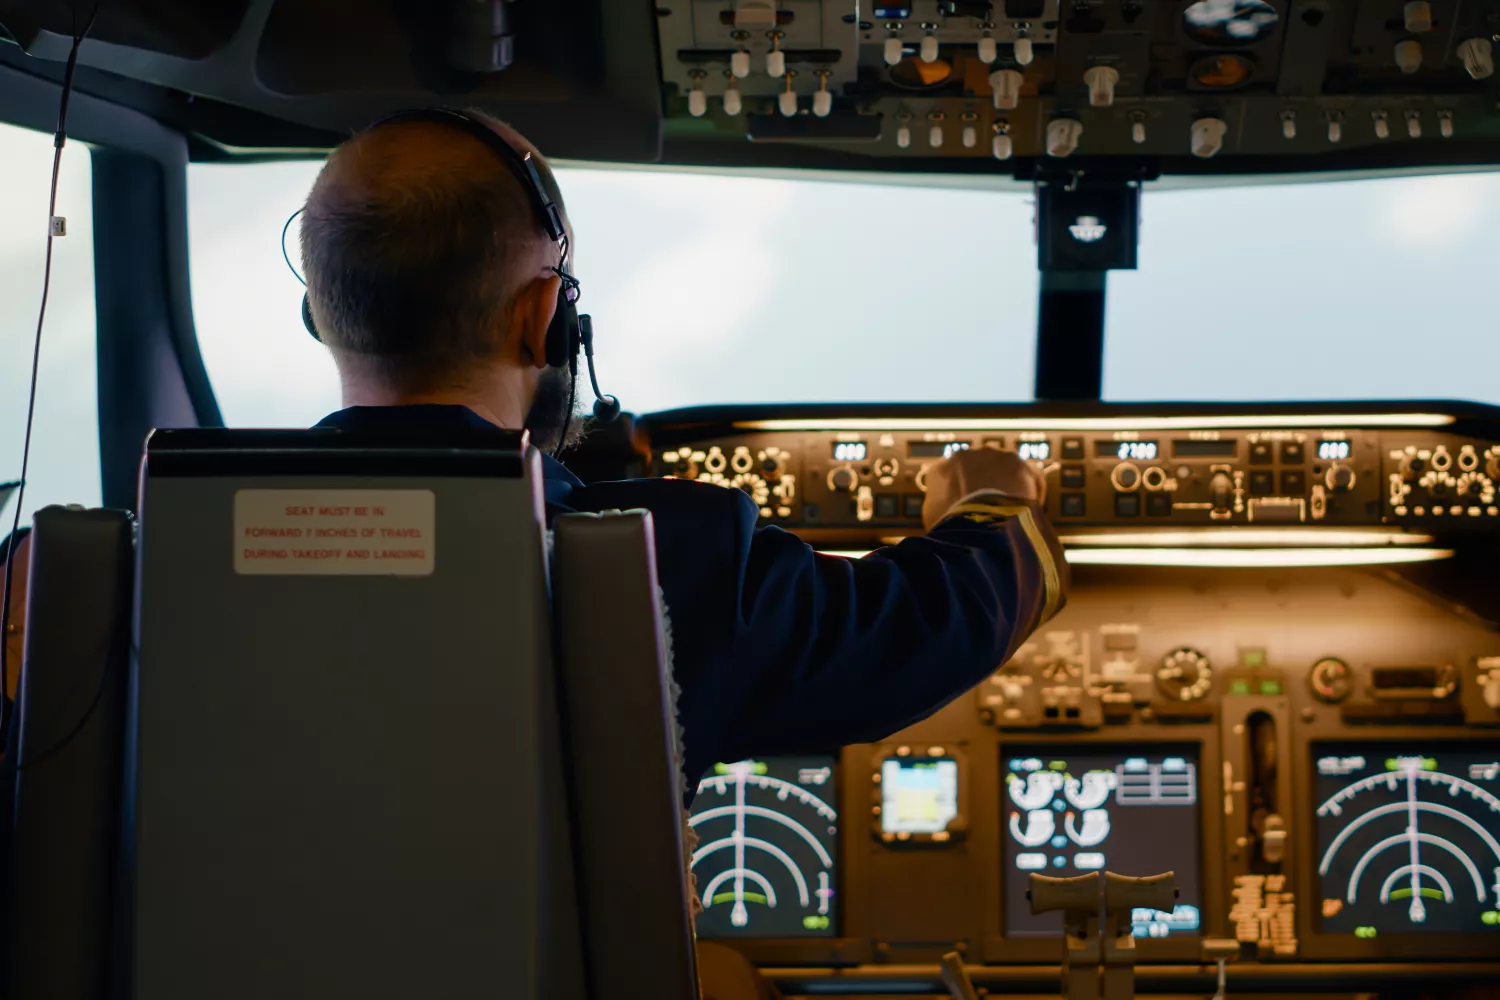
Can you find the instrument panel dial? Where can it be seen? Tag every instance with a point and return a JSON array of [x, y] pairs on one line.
[[1185, 674], [1331, 680]]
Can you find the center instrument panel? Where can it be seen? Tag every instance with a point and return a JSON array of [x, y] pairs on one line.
[[1244, 689]]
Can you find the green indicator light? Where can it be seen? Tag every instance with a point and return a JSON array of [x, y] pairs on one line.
[[1239, 687], [1429, 893], [1364, 932], [815, 923], [1057, 765], [1253, 657], [1429, 763], [728, 897], [1270, 687], [1391, 764], [1490, 918]]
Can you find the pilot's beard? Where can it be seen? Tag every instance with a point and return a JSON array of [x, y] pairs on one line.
[[554, 418]]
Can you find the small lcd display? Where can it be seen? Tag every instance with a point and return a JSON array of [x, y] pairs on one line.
[[1408, 838], [1205, 449], [934, 449], [850, 451], [766, 861], [1034, 451], [1132, 451], [918, 795], [1333, 451], [1070, 810]]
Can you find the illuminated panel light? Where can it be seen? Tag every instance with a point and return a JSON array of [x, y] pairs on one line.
[[1253, 558], [1231, 558], [1249, 421], [1248, 537]]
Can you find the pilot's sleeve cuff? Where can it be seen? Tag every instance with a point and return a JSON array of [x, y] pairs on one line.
[[991, 507]]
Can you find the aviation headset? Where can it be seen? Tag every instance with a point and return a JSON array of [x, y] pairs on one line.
[[569, 331]]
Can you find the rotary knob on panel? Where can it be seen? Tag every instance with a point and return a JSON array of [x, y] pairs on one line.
[[843, 479], [1184, 675]]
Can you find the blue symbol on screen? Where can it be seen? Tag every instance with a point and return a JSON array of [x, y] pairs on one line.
[[1058, 805], [1059, 841], [1059, 862]]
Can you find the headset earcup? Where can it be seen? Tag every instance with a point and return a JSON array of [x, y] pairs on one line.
[[562, 335], [307, 319]]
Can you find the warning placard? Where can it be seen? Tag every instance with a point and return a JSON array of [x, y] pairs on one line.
[[334, 532]]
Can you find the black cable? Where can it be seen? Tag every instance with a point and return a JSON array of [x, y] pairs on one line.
[[286, 256], [59, 139]]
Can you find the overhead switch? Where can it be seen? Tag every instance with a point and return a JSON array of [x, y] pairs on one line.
[[970, 136], [1208, 137], [1445, 124], [697, 102], [1382, 124], [935, 133], [1414, 124], [776, 63], [739, 63], [989, 50], [1002, 147], [1062, 136], [1335, 129], [928, 51], [786, 101], [732, 103], [1409, 56], [1025, 52], [1418, 17], [1006, 86], [1101, 82], [1289, 124], [1138, 128], [1478, 55], [893, 50], [822, 103], [903, 136]]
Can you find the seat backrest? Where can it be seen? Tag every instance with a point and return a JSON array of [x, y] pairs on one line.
[[347, 774], [626, 776]]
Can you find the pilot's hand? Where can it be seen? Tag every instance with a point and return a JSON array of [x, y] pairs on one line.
[[979, 470]]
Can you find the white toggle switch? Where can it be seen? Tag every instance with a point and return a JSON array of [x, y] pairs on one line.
[[1418, 16], [929, 48], [892, 50], [739, 63], [935, 137], [1138, 133], [786, 101], [1101, 82], [1414, 124], [732, 103], [776, 63], [971, 137], [989, 50], [1002, 147], [822, 103], [697, 102], [1335, 130], [903, 136], [1409, 56], [1491, 689], [1289, 124], [1025, 53], [1006, 85], [1208, 137], [1445, 124], [1478, 55], [1062, 136], [1382, 124]]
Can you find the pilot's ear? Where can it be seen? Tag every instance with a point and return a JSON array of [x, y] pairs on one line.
[[530, 317]]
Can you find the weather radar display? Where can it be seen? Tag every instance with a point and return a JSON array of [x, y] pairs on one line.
[[767, 849], [1408, 838]]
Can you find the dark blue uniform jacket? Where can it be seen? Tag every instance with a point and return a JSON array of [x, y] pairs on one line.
[[779, 649]]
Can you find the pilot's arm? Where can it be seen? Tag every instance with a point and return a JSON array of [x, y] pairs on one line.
[[830, 651]]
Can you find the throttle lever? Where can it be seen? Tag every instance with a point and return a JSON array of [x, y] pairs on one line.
[[956, 978]]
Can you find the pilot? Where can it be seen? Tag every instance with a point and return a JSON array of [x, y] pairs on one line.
[[432, 282]]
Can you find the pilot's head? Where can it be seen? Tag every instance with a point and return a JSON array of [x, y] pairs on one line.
[[430, 277]]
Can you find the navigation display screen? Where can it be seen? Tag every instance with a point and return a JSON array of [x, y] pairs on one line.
[[1408, 837], [918, 795], [1070, 810], [766, 860]]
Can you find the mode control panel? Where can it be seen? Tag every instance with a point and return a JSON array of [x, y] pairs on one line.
[[1159, 474]]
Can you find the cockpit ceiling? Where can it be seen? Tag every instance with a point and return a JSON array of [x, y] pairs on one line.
[[986, 88]]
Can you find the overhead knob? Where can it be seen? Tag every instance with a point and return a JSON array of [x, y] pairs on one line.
[[1409, 55], [1418, 16], [739, 63], [1413, 467], [1221, 491], [1101, 81], [1025, 52], [1340, 478], [1062, 136], [893, 50], [989, 49], [1478, 56], [1005, 84], [1208, 137], [843, 479], [928, 50]]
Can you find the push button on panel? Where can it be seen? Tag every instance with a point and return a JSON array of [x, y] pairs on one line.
[[886, 506], [1261, 453], [1292, 453], [1074, 505], [1072, 477], [1158, 505], [1262, 483], [912, 504], [1072, 449], [1127, 504], [1293, 484]]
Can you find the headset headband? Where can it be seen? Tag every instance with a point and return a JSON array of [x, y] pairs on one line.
[[549, 214]]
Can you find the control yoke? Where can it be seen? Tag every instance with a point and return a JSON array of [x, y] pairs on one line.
[[1098, 946]]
